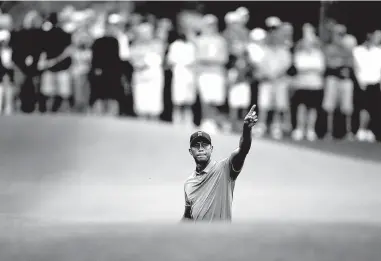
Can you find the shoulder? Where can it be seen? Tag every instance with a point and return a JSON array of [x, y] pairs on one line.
[[221, 38], [188, 180], [358, 49], [223, 163], [176, 44]]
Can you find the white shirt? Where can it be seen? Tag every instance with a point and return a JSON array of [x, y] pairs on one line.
[[310, 67], [6, 57], [276, 62], [256, 53], [367, 64], [124, 48], [181, 54]]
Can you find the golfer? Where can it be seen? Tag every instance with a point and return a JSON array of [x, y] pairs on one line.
[[209, 190]]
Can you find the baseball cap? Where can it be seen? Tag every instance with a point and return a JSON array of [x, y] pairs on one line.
[[210, 19], [258, 34], [272, 22], [242, 11], [231, 17], [200, 135], [340, 29]]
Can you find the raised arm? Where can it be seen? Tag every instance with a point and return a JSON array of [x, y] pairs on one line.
[[239, 155]]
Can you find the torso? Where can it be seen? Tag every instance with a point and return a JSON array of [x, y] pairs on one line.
[[210, 194], [338, 56]]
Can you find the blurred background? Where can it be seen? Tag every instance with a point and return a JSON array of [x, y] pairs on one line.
[[198, 64], [99, 99]]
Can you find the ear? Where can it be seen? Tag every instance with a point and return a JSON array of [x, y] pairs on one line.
[[190, 152]]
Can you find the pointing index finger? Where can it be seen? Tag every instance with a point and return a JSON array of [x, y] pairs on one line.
[[252, 109]]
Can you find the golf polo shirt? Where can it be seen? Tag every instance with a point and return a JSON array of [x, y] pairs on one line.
[[210, 192]]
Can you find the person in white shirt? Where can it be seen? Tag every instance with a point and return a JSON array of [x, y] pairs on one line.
[[256, 54], [367, 67], [181, 58], [7, 88], [6, 83], [309, 62], [212, 57], [273, 89], [146, 54]]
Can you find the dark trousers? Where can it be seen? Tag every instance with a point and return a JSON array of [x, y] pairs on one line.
[[29, 95], [369, 100]]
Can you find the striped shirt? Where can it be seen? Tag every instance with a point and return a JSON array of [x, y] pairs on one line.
[[210, 193]]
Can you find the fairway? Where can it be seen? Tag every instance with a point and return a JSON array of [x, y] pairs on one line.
[[75, 188]]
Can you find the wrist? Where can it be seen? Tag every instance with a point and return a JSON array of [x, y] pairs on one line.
[[246, 128]]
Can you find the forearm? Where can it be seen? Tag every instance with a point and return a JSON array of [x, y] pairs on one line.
[[245, 140], [187, 214]]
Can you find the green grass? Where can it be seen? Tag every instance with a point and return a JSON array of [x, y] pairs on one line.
[[74, 188]]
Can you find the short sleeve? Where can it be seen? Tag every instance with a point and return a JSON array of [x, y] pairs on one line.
[[231, 167], [228, 165]]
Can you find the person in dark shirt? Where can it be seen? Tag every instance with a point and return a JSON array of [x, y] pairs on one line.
[[56, 61], [106, 73], [25, 58]]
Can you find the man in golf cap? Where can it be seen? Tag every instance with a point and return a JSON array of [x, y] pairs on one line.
[[209, 190]]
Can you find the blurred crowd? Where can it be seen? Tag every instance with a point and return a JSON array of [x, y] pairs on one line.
[[117, 63]]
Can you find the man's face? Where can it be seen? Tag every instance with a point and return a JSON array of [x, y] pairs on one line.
[[201, 151]]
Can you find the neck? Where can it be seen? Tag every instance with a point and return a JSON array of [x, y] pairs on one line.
[[201, 166]]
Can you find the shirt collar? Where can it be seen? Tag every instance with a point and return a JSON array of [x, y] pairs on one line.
[[207, 168]]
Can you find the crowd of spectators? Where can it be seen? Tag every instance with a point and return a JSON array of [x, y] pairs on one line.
[[123, 64]]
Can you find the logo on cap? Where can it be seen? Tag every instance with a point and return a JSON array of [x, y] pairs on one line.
[[199, 133]]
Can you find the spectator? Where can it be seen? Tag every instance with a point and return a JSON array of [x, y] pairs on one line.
[[339, 85], [7, 90], [273, 90], [25, 59], [309, 61], [286, 34], [82, 42], [119, 21], [236, 35], [244, 17], [148, 77], [182, 59], [163, 28], [55, 62], [367, 58], [256, 53], [239, 90], [309, 34], [106, 73], [212, 57]]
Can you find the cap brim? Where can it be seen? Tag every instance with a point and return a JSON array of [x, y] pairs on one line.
[[200, 138]]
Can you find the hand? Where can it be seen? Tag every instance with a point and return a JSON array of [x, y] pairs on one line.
[[251, 118]]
